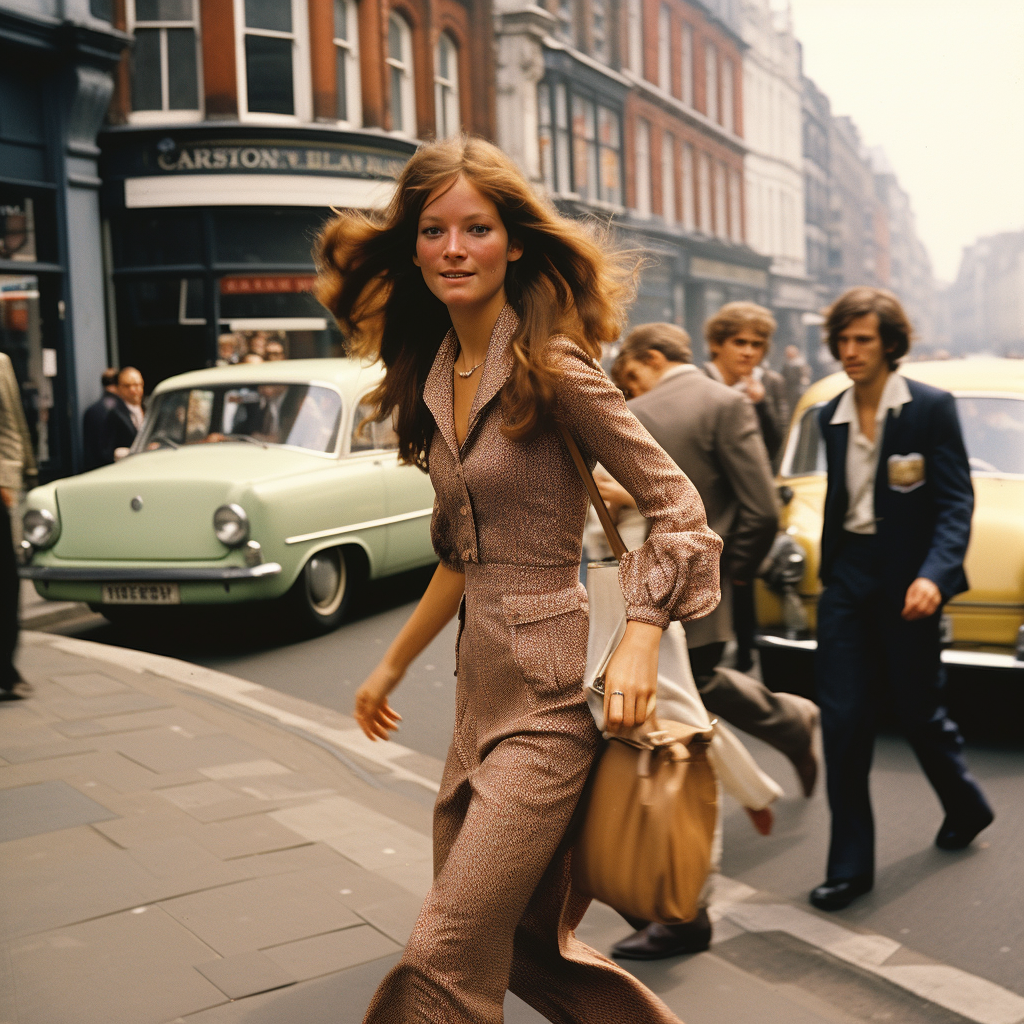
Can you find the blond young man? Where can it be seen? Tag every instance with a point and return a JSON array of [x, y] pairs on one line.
[[739, 336]]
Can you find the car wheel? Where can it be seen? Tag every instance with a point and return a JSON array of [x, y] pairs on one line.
[[320, 596]]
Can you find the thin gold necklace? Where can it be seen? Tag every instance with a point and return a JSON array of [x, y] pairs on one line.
[[469, 373]]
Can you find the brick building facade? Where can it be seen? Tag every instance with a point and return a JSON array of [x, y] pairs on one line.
[[236, 125], [632, 112]]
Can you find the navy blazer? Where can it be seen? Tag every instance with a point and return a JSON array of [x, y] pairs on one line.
[[923, 530]]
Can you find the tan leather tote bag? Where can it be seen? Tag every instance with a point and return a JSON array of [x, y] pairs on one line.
[[649, 811]]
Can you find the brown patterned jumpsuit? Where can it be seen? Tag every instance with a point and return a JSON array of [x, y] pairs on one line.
[[501, 911]]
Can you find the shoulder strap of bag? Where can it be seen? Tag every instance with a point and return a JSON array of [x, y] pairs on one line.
[[614, 540]]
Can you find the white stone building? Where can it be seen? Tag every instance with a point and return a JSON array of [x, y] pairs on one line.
[[773, 166]]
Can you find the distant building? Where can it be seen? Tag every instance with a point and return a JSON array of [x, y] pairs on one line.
[[985, 305], [905, 267], [859, 227], [774, 170], [632, 113]]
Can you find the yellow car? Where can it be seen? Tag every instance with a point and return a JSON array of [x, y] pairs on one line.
[[984, 627]]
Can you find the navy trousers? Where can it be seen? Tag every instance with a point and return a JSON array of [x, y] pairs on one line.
[[867, 653]]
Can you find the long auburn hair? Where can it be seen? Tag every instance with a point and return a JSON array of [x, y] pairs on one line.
[[568, 281]]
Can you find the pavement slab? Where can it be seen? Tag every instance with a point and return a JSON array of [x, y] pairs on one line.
[[89, 684], [45, 807], [141, 903], [258, 913], [335, 951], [245, 974], [65, 975]]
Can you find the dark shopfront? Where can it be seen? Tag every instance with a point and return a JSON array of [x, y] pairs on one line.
[[211, 229], [688, 278], [55, 84]]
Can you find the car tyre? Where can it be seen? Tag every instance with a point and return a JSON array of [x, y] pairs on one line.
[[321, 595]]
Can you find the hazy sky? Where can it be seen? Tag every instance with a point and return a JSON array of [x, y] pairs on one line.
[[939, 84]]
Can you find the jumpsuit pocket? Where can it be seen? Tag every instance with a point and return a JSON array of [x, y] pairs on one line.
[[549, 637]]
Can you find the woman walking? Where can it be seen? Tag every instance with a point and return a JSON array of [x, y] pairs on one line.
[[488, 309]]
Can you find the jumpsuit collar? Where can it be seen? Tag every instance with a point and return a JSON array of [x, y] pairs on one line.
[[439, 388]]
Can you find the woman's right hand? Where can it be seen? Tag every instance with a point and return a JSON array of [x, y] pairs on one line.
[[373, 713]]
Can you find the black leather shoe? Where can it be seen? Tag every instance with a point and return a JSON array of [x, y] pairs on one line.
[[958, 835], [837, 893], [658, 941]]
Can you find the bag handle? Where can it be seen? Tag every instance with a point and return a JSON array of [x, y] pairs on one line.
[[610, 531]]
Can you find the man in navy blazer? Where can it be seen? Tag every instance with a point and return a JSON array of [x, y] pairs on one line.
[[895, 531]]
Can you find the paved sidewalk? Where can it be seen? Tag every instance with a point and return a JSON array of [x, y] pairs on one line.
[[180, 845]]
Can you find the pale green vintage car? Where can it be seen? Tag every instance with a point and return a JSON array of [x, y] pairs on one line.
[[246, 483]]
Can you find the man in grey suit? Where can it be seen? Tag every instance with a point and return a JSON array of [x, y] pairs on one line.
[[712, 433]]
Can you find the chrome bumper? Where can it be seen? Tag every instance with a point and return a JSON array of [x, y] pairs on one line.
[[963, 659], [170, 574]]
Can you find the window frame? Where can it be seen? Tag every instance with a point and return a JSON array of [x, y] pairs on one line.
[[447, 97], [728, 119], [642, 169], [688, 175], [711, 105], [665, 48], [686, 63], [559, 144], [406, 67], [302, 82], [635, 37], [167, 115], [669, 213], [353, 77]]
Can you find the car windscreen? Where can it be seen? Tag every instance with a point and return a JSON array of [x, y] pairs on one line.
[[992, 426], [299, 415]]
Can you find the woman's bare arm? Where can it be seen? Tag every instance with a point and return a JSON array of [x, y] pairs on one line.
[[439, 603]]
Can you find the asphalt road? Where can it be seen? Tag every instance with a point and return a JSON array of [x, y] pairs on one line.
[[966, 909]]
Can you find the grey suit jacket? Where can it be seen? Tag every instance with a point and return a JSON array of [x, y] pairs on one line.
[[712, 434]]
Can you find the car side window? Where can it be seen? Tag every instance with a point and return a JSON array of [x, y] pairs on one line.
[[807, 451], [368, 435]]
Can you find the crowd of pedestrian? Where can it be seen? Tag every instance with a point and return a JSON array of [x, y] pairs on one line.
[[251, 347]]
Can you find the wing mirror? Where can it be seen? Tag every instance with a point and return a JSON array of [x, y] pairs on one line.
[[785, 494]]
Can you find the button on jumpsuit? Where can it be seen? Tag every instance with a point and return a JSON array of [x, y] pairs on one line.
[[501, 912]]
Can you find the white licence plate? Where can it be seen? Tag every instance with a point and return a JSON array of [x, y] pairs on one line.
[[141, 593]]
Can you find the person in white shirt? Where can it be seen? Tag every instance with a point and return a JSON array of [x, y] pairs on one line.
[[895, 529]]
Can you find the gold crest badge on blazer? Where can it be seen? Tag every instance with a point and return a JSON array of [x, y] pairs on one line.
[[906, 472]]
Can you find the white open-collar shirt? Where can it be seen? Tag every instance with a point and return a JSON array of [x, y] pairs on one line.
[[862, 454]]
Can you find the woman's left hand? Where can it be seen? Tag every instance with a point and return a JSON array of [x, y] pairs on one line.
[[631, 678]]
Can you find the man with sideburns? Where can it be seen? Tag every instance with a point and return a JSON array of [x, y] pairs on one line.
[[895, 531]]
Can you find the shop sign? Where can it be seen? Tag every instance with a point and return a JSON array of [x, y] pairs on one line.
[[719, 270], [267, 284], [231, 159]]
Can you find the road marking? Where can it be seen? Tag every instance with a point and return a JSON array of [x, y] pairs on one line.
[[246, 694]]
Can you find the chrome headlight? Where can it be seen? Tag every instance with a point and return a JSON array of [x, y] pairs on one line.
[[40, 527], [231, 525]]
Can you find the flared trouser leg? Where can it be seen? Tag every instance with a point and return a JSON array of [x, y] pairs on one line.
[[501, 909]]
